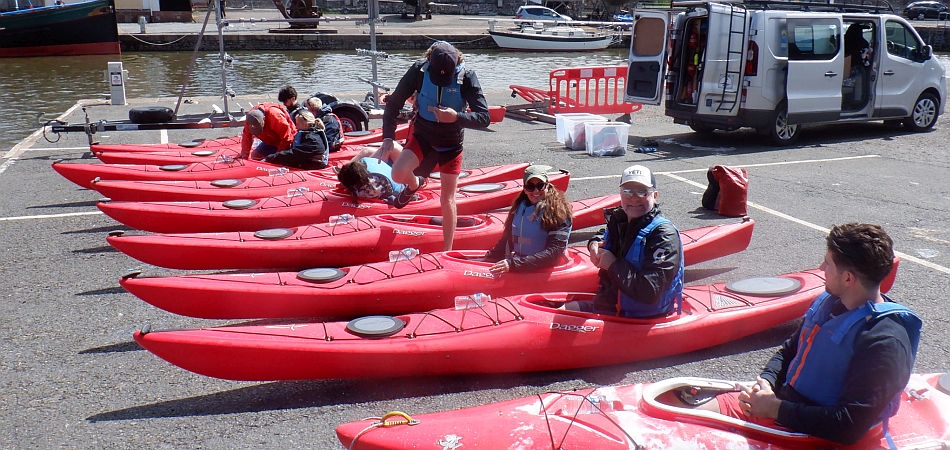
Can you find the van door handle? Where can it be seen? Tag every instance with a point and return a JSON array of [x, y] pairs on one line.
[[830, 74], [888, 72]]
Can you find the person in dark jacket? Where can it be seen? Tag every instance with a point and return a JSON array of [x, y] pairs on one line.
[[843, 371], [639, 253], [331, 123], [287, 96], [445, 89], [310, 149], [537, 228]]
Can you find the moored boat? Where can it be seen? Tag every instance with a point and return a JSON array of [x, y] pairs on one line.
[[84, 28], [357, 241], [557, 37], [268, 186], [423, 282], [508, 334], [302, 209], [631, 416]]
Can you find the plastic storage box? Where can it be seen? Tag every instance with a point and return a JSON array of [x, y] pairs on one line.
[[570, 128], [606, 138]]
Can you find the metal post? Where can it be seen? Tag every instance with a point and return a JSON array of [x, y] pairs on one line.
[[224, 76], [373, 12]]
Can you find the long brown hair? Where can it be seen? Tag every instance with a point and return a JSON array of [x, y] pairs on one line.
[[554, 208]]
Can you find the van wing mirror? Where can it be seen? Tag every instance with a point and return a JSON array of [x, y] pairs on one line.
[[926, 52]]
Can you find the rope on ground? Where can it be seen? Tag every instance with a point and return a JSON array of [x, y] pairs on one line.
[[157, 43]]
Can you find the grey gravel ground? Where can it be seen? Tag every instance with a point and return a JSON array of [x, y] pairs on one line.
[[71, 376]]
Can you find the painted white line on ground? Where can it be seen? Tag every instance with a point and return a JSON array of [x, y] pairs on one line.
[[21, 146], [36, 149], [6, 164], [783, 163], [163, 136], [51, 216], [823, 230]]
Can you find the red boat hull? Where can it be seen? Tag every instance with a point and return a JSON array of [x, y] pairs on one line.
[[198, 156], [310, 207], [431, 280], [365, 240], [626, 417], [267, 186], [85, 175], [517, 334]]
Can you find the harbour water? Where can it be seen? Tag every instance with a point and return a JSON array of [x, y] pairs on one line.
[[49, 86]]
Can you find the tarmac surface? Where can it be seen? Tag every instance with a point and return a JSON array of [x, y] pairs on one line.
[[71, 375]]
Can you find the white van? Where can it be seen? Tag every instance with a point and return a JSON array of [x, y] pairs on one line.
[[766, 66]]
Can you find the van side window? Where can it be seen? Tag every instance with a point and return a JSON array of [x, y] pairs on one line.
[[901, 42], [813, 39]]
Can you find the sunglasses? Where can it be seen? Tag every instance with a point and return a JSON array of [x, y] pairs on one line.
[[529, 187], [640, 192]]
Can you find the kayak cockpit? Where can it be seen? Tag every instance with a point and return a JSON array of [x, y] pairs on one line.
[[558, 302], [434, 221]]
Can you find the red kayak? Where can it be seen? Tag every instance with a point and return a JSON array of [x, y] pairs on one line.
[[196, 156], [267, 186], [508, 334], [303, 209], [351, 138], [626, 417], [225, 169], [361, 240], [427, 281]]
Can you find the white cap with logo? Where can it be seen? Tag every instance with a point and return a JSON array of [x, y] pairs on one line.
[[639, 174]]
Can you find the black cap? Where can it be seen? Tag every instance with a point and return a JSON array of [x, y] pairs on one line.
[[442, 62]]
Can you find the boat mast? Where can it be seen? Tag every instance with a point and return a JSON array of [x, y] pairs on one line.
[[219, 18]]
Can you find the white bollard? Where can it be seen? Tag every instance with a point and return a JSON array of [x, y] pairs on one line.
[[117, 77]]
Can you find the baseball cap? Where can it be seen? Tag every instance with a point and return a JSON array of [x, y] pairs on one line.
[[536, 171], [442, 62], [639, 174], [255, 121]]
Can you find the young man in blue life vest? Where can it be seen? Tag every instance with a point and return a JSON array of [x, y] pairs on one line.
[[838, 376], [446, 89], [639, 253]]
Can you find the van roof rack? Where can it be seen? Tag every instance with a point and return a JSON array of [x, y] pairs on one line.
[[872, 6]]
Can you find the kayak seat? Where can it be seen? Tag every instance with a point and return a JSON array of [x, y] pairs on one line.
[[460, 222]]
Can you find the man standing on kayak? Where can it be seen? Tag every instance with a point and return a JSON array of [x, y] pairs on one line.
[[639, 253], [843, 371], [270, 123], [445, 90]]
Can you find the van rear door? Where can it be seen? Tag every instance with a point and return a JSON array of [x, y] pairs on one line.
[[723, 60], [647, 60], [815, 67]]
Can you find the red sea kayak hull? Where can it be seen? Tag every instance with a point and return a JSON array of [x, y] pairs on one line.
[[364, 240], [267, 186], [629, 417], [299, 210], [508, 334], [197, 156], [85, 175], [428, 281], [375, 135]]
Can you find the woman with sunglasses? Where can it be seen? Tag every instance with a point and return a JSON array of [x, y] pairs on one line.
[[537, 228]]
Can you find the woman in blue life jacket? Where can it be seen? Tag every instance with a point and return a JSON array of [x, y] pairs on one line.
[[448, 100], [537, 228], [366, 176]]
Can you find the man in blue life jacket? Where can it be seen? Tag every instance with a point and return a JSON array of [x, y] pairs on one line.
[[446, 91], [639, 253], [843, 371]]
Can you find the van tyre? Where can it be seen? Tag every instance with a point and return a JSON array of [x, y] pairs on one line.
[[925, 113], [781, 132], [701, 127]]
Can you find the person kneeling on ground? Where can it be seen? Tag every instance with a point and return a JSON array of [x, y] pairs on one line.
[[309, 150], [270, 123], [843, 371], [331, 123], [537, 228], [639, 253], [366, 176]]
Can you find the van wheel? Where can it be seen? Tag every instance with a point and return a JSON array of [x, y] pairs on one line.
[[701, 127], [925, 113], [781, 132]]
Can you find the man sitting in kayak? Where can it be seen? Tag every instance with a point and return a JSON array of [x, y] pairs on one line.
[[366, 176], [537, 228], [270, 123], [844, 369], [639, 253], [309, 150]]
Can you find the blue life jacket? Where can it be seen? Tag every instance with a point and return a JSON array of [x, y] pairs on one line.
[[429, 94], [826, 346], [629, 307], [385, 174], [527, 236]]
